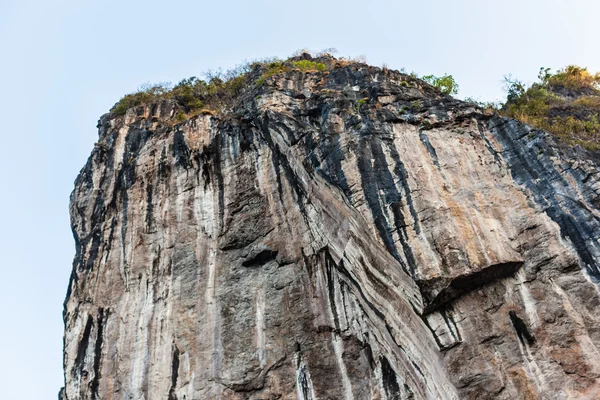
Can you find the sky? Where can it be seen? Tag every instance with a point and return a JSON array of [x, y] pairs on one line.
[[66, 62]]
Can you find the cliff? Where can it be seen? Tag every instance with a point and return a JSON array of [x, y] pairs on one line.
[[349, 233]]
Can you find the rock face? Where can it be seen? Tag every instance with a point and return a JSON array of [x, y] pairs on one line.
[[347, 234]]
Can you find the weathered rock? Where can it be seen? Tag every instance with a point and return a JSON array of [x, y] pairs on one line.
[[313, 245]]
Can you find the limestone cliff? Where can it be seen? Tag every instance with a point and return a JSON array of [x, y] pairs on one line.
[[339, 234]]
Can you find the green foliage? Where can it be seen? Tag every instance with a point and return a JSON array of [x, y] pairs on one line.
[[122, 106], [180, 117], [569, 125], [515, 89], [445, 84], [192, 94], [572, 115], [279, 67], [416, 104], [146, 94], [534, 101], [572, 77], [273, 68], [588, 102], [188, 93], [307, 65], [360, 102], [544, 75], [217, 90]]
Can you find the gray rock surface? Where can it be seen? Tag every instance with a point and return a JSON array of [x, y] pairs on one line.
[[348, 234]]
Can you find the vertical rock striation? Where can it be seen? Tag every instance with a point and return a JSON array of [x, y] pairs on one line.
[[348, 234]]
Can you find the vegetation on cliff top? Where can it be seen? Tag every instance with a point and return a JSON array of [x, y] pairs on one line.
[[220, 90], [194, 95], [565, 103]]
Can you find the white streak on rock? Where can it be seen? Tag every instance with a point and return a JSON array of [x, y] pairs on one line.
[[338, 348]]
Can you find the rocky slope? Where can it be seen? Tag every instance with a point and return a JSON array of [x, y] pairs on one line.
[[345, 234]]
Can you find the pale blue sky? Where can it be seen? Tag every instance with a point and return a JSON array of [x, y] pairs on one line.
[[65, 62]]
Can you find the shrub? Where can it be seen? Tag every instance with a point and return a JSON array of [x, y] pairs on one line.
[[189, 93], [192, 94], [445, 84], [147, 93], [307, 65], [273, 68], [589, 102], [180, 117]]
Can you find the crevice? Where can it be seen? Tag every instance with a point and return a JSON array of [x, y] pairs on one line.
[[402, 175], [303, 382], [521, 329], [430, 149], [488, 144], [435, 336], [342, 269], [82, 347], [371, 186], [100, 321], [465, 284], [181, 151], [390, 381], [149, 208], [448, 319], [331, 292], [174, 373], [261, 258], [206, 174]]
